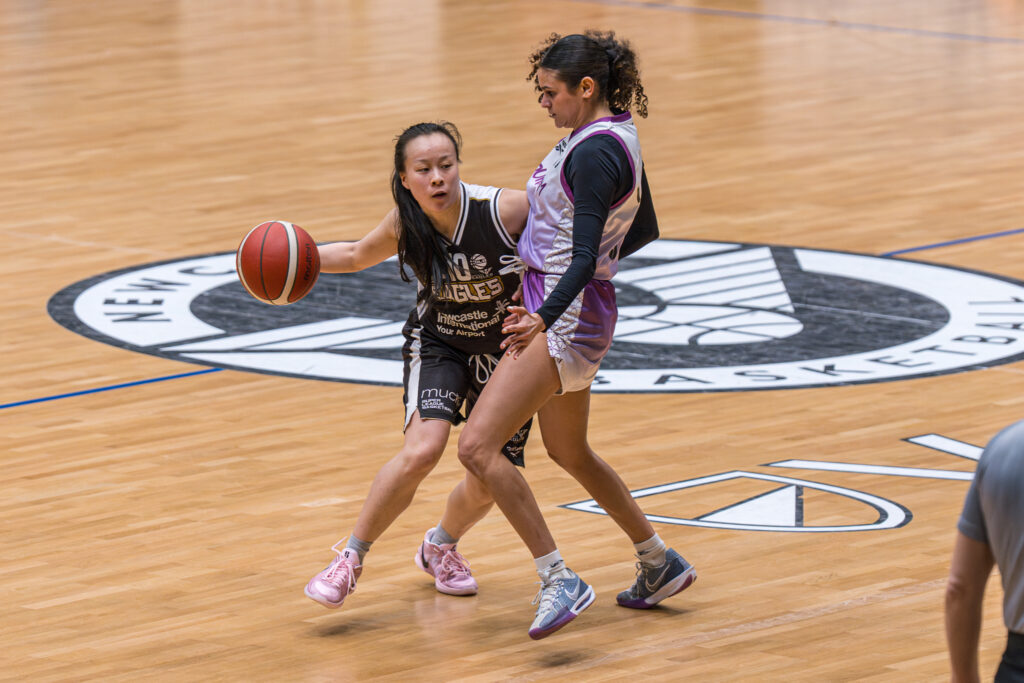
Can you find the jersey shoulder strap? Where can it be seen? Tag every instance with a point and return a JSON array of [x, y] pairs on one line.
[[483, 205]]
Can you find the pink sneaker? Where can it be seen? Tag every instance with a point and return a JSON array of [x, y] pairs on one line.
[[331, 586], [449, 569]]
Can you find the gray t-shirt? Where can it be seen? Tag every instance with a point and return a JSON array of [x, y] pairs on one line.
[[994, 514]]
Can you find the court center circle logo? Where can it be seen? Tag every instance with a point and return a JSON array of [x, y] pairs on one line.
[[693, 317]]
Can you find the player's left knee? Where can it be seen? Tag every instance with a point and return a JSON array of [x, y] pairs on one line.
[[471, 452], [572, 459]]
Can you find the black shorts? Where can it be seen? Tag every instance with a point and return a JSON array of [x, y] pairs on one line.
[[1011, 668], [443, 383]]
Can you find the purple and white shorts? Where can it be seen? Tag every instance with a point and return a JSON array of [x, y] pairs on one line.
[[581, 337]]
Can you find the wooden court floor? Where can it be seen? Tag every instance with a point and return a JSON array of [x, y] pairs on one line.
[[159, 522]]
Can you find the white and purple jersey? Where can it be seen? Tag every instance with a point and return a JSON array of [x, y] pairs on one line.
[[546, 244], [581, 334]]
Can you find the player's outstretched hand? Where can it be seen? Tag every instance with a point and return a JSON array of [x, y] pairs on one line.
[[521, 326]]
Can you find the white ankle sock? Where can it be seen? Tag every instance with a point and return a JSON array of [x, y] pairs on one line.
[[552, 565], [652, 551]]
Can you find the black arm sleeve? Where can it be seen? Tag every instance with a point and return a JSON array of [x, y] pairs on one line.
[[644, 229], [599, 175]]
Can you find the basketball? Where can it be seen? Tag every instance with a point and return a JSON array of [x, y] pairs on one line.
[[278, 262]]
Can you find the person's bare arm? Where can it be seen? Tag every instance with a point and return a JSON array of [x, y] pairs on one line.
[[968, 573], [513, 208], [349, 257]]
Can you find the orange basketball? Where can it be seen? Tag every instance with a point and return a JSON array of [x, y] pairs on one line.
[[278, 262]]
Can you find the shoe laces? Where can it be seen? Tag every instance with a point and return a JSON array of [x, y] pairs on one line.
[[453, 564], [342, 571], [548, 594], [641, 569]]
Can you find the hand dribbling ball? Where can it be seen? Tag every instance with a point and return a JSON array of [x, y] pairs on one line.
[[278, 262]]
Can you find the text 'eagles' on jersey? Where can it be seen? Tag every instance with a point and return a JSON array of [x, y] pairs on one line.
[[467, 313]]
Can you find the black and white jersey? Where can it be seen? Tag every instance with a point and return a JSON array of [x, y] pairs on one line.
[[467, 315]]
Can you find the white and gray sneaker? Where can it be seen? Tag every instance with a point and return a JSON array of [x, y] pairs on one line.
[[562, 596]]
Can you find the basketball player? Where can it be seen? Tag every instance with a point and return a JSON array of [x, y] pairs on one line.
[[990, 533], [459, 241], [585, 197]]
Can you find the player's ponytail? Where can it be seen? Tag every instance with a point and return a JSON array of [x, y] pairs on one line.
[[420, 246], [610, 61]]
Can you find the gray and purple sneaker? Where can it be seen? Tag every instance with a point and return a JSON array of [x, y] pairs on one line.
[[654, 584]]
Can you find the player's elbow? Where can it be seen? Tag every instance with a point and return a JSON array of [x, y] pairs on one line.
[[960, 591], [586, 262]]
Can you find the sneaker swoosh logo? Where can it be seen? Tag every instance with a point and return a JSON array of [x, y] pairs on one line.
[[574, 592], [654, 586]]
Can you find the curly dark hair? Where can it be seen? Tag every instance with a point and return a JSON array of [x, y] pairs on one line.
[[610, 61]]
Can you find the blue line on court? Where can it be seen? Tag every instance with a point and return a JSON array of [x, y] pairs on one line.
[[830, 23], [952, 242], [110, 388]]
